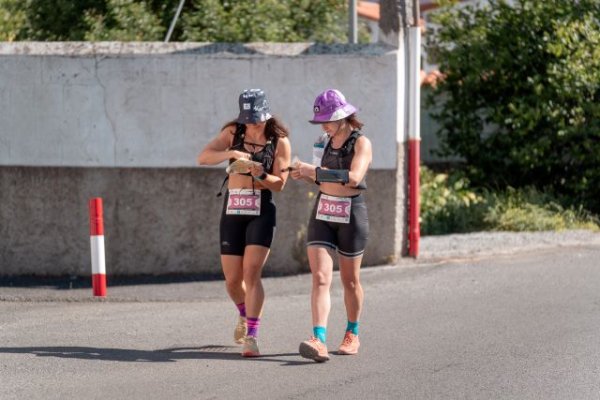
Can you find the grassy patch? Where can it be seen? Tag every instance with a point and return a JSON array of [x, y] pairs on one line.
[[450, 205]]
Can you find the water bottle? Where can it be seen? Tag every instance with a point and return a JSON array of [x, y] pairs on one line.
[[319, 149]]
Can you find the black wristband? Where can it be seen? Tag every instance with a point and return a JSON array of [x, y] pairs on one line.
[[261, 177], [332, 175], [317, 169]]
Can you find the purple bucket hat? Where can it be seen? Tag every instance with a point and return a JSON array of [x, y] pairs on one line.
[[331, 105]]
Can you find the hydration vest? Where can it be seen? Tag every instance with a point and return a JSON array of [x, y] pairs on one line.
[[342, 158], [266, 156]]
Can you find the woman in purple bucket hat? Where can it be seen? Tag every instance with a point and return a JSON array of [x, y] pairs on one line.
[[339, 220]]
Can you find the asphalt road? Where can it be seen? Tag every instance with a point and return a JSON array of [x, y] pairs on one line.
[[524, 326]]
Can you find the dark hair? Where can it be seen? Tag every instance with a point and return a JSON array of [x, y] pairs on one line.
[[354, 122], [273, 128]]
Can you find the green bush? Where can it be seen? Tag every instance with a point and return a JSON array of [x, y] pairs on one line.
[[57, 20], [520, 102], [531, 210], [265, 20], [322, 21], [12, 20], [126, 20], [450, 205]]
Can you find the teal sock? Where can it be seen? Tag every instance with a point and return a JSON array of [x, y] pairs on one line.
[[320, 332], [352, 327]]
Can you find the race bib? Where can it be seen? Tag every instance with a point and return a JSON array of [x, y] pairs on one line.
[[243, 202], [334, 209]]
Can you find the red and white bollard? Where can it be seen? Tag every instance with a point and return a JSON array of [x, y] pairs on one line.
[[97, 245], [414, 226]]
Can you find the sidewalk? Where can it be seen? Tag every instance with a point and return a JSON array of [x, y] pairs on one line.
[[485, 244]]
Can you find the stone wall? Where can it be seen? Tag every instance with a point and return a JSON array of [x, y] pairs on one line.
[[125, 122]]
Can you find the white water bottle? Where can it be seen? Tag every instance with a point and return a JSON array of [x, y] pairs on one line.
[[319, 149]]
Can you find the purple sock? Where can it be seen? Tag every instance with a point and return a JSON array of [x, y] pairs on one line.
[[242, 308], [253, 324]]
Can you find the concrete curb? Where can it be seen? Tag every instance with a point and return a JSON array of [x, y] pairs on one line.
[[435, 250]]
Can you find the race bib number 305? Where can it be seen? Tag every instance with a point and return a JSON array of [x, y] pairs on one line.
[[334, 209], [243, 202]]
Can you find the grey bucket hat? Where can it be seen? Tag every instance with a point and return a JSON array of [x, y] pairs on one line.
[[254, 107]]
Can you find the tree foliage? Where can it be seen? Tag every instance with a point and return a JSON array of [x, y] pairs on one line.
[[12, 20], [266, 20], [55, 20], [520, 101], [126, 20], [201, 20]]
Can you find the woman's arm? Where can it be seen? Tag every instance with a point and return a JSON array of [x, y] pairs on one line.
[[363, 155], [276, 180], [217, 150]]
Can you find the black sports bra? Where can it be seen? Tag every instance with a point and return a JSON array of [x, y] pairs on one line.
[[342, 158], [265, 156]]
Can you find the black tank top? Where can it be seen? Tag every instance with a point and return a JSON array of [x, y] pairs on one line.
[[265, 156], [342, 158]]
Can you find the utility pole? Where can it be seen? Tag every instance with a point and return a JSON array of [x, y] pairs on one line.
[[414, 130], [399, 27]]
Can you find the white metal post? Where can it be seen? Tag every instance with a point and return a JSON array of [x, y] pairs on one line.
[[352, 22], [175, 18]]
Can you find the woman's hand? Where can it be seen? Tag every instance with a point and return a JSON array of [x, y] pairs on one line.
[[295, 170], [302, 170], [238, 155], [257, 170]]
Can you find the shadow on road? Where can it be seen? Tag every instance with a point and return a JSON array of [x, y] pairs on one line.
[[210, 352]]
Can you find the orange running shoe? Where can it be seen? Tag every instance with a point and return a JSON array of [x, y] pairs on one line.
[[314, 349], [350, 344], [250, 347]]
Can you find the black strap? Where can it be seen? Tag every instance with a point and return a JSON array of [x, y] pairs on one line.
[[240, 130], [238, 136], [222, 185], [348, 145], [347, 149]]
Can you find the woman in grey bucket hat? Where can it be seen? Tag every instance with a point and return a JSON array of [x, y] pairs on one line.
[[254, 107], [248, 216], [339, 220]]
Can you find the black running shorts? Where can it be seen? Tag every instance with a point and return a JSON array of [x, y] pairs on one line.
[[349, 239], [238, 231]]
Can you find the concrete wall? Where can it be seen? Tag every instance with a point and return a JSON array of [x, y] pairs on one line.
[[126, 121]]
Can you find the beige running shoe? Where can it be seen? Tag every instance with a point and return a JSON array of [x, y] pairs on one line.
[[350, 344], [250, 348], [314, 349], [240, 330]]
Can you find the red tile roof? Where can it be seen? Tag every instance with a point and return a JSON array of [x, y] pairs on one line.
[[370, 10]]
